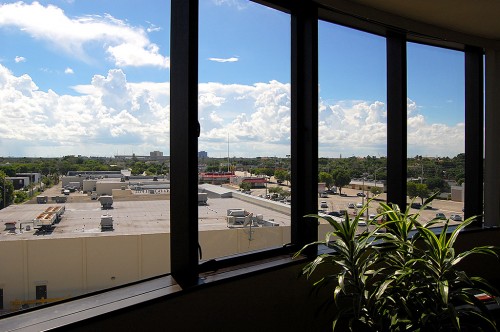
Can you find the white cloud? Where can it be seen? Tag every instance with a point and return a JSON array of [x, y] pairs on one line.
[[93, 124], [19, 59], [233, 59], [239, 4], [68, 71], [206, 100], [153, 28], [111, 115], [126, 45]]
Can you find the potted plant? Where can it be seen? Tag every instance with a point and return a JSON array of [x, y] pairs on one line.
[[400, 275]]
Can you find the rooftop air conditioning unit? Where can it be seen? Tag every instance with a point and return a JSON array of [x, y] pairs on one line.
[[106, 222]]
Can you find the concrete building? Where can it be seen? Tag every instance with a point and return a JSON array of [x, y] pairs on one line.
[[34, 177], [19, 182], [77, 257], [106, 186]]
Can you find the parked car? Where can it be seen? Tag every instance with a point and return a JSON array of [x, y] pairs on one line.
[[361, 222], [336, 214], [359, 205], [440, 215], [456, 217], [361, 194], [324, 205], [351, 206]]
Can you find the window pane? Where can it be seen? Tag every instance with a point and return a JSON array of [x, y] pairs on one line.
[[352, 121], [84, 102], [436, 132], [244, 114]]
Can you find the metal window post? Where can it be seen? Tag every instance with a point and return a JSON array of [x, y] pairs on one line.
[[184, 131], [474, 134], [396, 119], [304, 122]]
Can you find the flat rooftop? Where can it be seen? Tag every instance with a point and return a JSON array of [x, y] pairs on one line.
[[82, 219]]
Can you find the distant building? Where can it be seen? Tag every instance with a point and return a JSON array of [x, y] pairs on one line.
[[156, 154], [19, 182], [34, 177], [255, 182], [153, 156], [202, 154], [215, 177]]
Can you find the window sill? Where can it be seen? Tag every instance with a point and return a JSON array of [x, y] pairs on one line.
[[79, 309]]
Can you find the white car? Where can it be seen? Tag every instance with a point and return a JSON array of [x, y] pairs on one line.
[[359, 205], [456, 217]]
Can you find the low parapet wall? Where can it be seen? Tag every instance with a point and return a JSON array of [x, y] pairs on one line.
[[221, 192], [266, 203]]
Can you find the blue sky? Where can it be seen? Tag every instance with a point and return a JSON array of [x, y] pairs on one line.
[[92, 78]]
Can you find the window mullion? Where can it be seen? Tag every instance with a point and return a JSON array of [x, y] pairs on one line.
[[474, 134], [396, 119], [184, 131], [304, 127]]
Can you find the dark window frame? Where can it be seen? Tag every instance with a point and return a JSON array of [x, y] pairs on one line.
[[304, 125]]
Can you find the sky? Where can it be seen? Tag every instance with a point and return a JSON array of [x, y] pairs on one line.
[[91, 78]]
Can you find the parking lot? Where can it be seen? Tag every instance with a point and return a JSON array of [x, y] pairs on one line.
[[337, 203]]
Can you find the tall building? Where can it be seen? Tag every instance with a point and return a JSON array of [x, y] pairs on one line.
[[155, 154]]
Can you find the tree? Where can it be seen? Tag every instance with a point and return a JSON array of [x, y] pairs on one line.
[[411, 190], [437, 184], [418, 190], [280, 175], [275, 190], [325, 177], [375, 191], [212, 168], [6, 191], [288, 178], [341, 178], [245, 186], [138, 168], [21, 196]]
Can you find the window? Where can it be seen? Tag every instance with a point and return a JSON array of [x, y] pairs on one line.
[[84, 97], [352, 119], [244, 116], [436, 128]]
